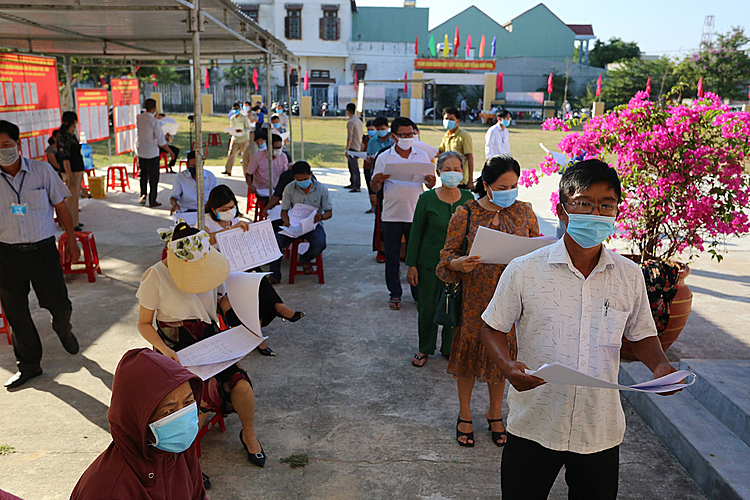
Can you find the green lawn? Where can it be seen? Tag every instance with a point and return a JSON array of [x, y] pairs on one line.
[[325, 139]]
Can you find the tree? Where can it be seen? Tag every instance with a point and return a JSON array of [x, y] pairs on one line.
[[612, 51], [631, 76], [558, 87], [724, 66], [242, 75]]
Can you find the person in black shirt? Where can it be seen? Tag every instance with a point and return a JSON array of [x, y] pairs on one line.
[[69, 152]]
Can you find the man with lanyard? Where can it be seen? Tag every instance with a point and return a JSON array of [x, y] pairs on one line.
[[571, 303], [28, 193], [239, 124], [399, 202], [497, 138], [458, 140], [381, 141]]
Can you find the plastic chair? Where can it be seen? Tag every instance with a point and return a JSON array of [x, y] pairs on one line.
[[295, 266], [90, 255], [205, 149], [136, 168], [6, 326], [182, 162], [259, 215], [214, 139], [251, 201], [112, 181], [164, 159]]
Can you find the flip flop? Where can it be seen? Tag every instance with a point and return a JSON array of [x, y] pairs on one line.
[[419, 358], [395, 304]]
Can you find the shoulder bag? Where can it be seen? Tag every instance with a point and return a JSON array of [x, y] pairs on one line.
[[448, 311]]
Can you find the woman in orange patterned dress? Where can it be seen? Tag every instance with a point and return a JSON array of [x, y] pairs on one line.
[[496, 209]]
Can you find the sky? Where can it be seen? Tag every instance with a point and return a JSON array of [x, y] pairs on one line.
[[658, 26]]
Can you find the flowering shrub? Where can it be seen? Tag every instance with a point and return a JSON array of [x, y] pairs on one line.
[[681, 168]]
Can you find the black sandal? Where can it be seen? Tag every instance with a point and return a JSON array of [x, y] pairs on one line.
[[266, 352], [206, 482], [298, 315], [419, 358], [497, 436], [258, 459], [469, 435]]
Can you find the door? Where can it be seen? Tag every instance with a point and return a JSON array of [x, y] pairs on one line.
[[319, 94]]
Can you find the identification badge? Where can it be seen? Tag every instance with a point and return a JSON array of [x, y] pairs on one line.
[[18, 208]]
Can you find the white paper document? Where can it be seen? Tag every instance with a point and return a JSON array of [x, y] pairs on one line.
[[274, 213], [191, 218], [430, 150], [301, 220], [216, 353], [248, 249], [409, 172], [168, 125], [242, 289], [555, 373], [497, 247], [233, 131], [560, 158], [357, 154]]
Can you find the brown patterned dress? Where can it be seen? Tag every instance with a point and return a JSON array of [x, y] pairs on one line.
[[468, 357]]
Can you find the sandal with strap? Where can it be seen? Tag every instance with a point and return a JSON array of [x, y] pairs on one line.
[[497, 436], [419, 358], [395, 304], [469, 435]]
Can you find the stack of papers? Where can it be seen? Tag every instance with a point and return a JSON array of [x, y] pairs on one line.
[[249, 249], [357, 154], [301, 221], [233, 131], [497, 247], [409, 172]]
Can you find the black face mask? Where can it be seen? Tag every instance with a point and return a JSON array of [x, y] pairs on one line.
[[192, 171]]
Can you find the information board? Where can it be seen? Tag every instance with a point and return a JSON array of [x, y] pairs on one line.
[[127, 105], [91, 106], [30, 98]]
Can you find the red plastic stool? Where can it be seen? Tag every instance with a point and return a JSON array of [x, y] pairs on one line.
[[112, 181], [6, 326], [136, 168], [218, 419], [90, 255], [182, 162], [295, 266], [251, 201], [214, 139], [164, 158], [259, 215], [205, 149]]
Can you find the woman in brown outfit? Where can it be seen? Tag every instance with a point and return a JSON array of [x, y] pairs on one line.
[[496, 209]]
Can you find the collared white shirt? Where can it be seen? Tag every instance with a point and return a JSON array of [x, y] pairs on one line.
[[149, 136], [560, 316], [399, 197], [496, 141], [185, 189]]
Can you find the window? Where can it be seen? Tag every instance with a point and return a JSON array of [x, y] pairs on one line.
[[330, 24], [293, 22], [251, 11], [320, 73]]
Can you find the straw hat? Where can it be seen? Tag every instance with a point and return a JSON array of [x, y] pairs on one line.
[[195, 265]]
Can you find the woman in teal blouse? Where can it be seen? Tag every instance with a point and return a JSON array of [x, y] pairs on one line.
[[426, 239]]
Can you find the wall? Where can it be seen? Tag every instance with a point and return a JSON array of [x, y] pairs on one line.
[[391, 24], [476, 23], [385, 60]]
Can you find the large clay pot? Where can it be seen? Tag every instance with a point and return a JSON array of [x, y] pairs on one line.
[[679, 311]]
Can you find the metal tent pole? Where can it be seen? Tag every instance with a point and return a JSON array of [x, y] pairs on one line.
[[196, 26], [269, 145], [288, 67], [299, 107]]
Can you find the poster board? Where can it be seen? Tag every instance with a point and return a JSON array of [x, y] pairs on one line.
[[127, 105], [93, 119], [30, 98]]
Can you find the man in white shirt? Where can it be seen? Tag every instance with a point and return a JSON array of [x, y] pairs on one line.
[[184, 197], [464, 109], [148, 143], [240, 124], [497, 138], [399, 201], [571, 303]]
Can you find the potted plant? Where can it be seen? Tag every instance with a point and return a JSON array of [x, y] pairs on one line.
[[684, 187]]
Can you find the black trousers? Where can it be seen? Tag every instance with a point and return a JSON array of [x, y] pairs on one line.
[[354, 177], [176, 152], [149, 172], [529, 469], [40, 268]]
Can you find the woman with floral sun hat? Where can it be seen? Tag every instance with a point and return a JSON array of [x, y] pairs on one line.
[[178, 298]]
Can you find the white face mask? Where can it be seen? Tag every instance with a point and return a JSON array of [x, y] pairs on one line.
[[276, 152], [226, 216], [405, 143], [8, 156]]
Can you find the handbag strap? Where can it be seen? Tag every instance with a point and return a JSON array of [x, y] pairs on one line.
[[466, 234]]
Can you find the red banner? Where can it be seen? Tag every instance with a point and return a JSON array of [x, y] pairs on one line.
[[93, 117], [127, 105], [464, 64], [30, 98]]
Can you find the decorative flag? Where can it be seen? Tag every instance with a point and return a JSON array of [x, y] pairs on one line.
[[255, 78], [291, 68], [700, 87], [456, 42], [748, 92], [154, 78], [468, 47], [307, 81], [433, 52], [499, 82], [549, 83], [104, 84], [416, 45], [356, 80], [599, 86], [445, 46], [648, 86], [205, 83], [406, 85], [494, 46], [481, 48]]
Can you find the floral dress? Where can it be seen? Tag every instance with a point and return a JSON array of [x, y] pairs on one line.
[[468, 358]]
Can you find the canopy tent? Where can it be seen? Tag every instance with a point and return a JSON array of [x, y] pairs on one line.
[[129, 31]]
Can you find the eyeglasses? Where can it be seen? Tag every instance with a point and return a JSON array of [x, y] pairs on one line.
[[586, 207]]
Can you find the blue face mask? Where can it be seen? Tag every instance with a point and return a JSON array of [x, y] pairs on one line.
[[304, 184], [235, 112], [382, 133], [372, 133], [245, 108], [505, 198], [451, 179], [505, 123], [449, 124], [277, 125], [589, 230], [177, 431], [262, 147]]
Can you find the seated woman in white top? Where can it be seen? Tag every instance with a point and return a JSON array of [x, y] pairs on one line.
[[222, 215], [179, 306]]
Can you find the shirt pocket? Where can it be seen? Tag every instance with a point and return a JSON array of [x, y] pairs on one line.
[[36, 199], [610, 341]]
